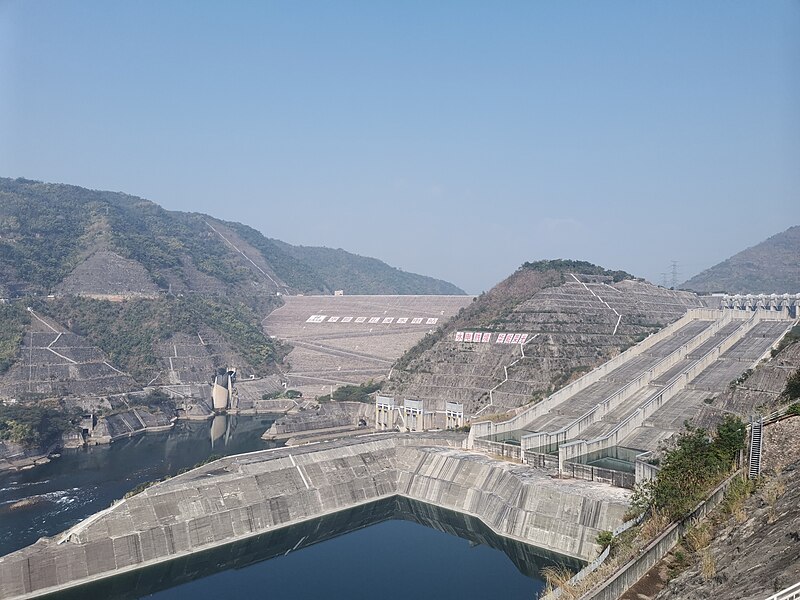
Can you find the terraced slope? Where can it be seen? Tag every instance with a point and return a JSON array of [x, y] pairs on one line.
[[572, 321], [56, 362]]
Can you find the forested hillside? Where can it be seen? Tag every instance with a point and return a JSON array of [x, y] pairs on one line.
[[138, 283], [47, 230], [770, 267]]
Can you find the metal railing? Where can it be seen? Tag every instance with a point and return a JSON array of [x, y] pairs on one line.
[[592, 473], [790, 593]]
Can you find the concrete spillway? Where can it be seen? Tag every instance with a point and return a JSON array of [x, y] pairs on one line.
[[237, 498]]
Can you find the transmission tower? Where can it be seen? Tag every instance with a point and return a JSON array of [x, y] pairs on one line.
[[664, 279], [674, 274]]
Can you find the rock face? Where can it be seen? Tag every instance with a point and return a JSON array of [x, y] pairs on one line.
[[759, 556], [238, 497], [770, 267], [16, 456], [107, 274]]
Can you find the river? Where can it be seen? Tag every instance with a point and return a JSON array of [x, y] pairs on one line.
[[390, 549]]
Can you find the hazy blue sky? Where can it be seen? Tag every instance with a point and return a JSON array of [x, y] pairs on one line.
[[455, 139]]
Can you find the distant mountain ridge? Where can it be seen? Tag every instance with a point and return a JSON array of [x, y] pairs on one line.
[[48, 230], [771, 267]]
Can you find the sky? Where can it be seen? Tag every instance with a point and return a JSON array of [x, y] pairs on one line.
[[455, 139]]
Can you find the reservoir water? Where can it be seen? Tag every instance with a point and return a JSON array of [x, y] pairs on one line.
[[389, 549]]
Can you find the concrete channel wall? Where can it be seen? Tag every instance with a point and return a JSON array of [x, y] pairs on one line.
[[483, 429], [499, 449], [597, 412], [644, 470], [572, 450], [238, 497]]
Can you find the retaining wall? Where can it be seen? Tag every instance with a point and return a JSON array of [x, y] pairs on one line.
[[633, 571], [239, 497]]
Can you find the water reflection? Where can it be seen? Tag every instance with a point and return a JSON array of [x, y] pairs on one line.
[[528, 560], [219, 427]]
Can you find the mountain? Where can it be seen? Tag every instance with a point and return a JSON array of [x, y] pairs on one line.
[[770, 267], [134, 295], [49, 231], [314, 269], [564, 318]]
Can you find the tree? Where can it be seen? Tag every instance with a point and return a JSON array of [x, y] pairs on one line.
[[792, 389], [731, 436]]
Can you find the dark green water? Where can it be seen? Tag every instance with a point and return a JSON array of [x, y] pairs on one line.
[[388, 549]]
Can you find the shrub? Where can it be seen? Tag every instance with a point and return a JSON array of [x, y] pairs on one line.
[[605, 539], [792, 389], [691, 469], [788, 339], [14, 318], [731, 436], [354, 393]]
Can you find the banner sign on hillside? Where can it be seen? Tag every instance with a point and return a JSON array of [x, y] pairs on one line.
[[476, 337], [511, 338], [485, 337]]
